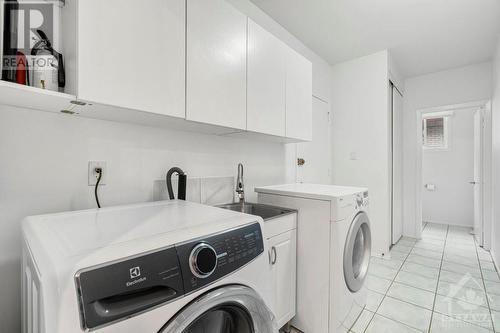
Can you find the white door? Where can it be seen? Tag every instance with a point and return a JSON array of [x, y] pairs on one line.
[[282, 258], [316, 154], [397, 165], [216, 63], [132, 54], [478, 179], [266, 82]]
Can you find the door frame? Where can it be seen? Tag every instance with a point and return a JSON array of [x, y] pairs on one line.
[[393, 181], [480, 214], [484, 105]]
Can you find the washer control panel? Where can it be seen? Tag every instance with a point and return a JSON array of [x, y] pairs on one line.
[[207, 260], [118, 290], [362, 200]]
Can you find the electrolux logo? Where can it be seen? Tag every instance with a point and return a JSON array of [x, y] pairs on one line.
[[135, 272]]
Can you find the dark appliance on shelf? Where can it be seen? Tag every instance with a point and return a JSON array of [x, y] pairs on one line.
[[10, 33]]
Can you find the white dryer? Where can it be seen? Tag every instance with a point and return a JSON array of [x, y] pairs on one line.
[[333, 252], [170, 267]]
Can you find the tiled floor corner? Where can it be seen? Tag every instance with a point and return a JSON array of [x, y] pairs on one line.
[[439, 284]]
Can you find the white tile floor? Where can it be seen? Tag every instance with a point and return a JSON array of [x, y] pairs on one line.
[[442, 283]]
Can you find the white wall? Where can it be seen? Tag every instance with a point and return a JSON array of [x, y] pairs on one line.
[[43, 164], [461, 85], [360, 136], [495, 248], [451, 171]]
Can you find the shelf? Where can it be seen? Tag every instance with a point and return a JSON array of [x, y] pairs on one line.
[[130, 116], [34, 98], [45, 100], [137, 117]]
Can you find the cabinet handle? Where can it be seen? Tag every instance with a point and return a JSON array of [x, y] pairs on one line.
[[275, 257]]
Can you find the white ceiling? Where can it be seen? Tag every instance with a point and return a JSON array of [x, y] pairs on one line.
[[424, 36]]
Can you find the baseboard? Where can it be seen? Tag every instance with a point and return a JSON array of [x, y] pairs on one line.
[[449, 223]]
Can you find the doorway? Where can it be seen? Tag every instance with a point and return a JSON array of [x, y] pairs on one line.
[[452, 167]]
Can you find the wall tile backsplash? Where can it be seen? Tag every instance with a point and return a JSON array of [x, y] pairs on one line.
[[217, 190], [209, 190]]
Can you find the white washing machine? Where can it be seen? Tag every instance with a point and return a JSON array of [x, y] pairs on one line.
[[333, 252], [170, 267]]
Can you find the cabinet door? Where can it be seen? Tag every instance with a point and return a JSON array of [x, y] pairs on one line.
[[266, 82], [282, 258], [216, 63], [132, 54], [298, 96]]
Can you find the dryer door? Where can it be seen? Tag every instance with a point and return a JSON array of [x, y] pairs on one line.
[[357, 252], [231, 309]]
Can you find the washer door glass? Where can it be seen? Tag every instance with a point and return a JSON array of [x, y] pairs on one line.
[[224, 319], [230, 309], [357, 252]]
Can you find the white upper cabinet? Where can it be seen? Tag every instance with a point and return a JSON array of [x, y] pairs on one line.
[[266, 82], [216, 63], [199, 65], [131, 54], [298, 96]]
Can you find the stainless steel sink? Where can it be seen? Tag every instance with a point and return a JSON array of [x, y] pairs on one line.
[[265, 211]]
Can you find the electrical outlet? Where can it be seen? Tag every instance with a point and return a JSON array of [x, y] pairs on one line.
[[93, 175]]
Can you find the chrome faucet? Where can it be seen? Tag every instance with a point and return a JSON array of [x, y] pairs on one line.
[[240, 187]]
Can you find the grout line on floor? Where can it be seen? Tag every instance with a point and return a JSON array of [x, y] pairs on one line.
[[451, 236], [396, 321], [438, 278], [385, 294], [484, 286], [414, 287]]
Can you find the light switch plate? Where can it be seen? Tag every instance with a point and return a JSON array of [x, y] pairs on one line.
[[92, 175]]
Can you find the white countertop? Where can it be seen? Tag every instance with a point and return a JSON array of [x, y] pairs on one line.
[[144, 226], [311, 191]]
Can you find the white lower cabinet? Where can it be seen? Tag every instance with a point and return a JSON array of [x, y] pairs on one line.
[[282, 249]]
